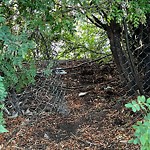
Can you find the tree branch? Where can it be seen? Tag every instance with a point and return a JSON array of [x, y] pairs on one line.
[[99, 22]]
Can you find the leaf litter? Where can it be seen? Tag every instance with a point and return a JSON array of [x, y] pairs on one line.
[[97, 118]]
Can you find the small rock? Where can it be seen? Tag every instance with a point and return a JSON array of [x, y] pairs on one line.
[[82, 94], [60, 71]]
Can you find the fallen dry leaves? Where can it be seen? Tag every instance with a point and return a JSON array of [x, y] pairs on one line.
[[97, 121]]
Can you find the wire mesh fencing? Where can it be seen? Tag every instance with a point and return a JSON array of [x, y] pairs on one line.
[[135, 59], [46, 95], [49, 94]]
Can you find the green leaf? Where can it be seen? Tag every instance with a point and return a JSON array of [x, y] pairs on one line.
[[2, 19], [139, 123], [141, 99], [136, 141], [148, 101], [135, 106], [2, 129], [134, 109], [1, 106], [129, 105], [147, 117], [131, 141], [134, 102], [147, 124], [144, 138]]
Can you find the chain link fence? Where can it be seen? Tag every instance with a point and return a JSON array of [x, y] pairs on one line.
[[49, 92], [135, 59]]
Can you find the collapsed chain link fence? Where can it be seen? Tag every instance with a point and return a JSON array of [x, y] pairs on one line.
[[47, 95]]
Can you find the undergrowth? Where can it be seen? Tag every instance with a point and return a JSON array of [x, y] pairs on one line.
[[142, 128], [2, 97]]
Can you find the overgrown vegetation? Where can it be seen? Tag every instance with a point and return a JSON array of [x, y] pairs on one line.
[[142, 128], [87, 42], [2, 97]]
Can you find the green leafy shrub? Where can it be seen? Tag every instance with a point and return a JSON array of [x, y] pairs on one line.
[[16, 67], [2, 96], [142, 128]]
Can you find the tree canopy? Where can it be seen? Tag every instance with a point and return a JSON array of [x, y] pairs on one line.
[[29, 29]]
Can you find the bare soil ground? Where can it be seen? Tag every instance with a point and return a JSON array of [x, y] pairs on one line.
[[97, 118]]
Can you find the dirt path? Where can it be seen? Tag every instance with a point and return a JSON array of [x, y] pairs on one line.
[[97, 118]]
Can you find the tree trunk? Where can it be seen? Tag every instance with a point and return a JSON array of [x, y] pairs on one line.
[[123, 64]]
